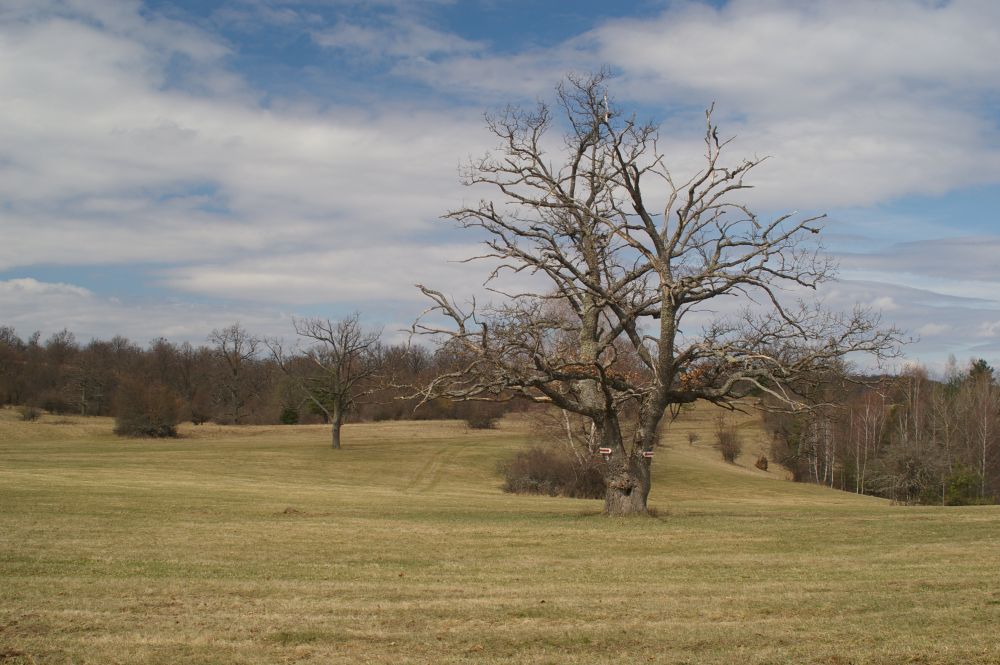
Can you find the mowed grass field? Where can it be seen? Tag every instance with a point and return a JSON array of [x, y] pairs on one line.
[[262, 545]]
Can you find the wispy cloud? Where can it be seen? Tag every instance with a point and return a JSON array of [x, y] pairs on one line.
[[341, 275], [101, 163], [966, 258], [30, 305], [393, 37], [858, 102], [131, 135]]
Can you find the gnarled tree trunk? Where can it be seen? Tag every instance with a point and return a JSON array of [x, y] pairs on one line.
[[626, 476], [627, 488]]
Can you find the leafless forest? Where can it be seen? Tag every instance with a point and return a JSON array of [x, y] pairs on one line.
[[911, 438]]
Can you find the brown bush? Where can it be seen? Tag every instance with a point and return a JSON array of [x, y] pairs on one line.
[[29, 413], [53, 402], [553, 471], [727, 441], [480, 415], [146, 410]]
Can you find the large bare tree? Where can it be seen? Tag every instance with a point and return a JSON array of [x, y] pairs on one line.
[[622, 273], [339, 357]]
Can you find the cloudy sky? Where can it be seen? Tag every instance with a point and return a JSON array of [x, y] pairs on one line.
[[171, 166]]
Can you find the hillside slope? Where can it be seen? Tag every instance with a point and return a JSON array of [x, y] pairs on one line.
[[262, 545]]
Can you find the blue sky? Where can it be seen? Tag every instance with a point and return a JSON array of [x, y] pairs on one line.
[[168, 167]]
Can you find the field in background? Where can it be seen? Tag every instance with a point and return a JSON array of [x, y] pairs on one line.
[[262, 545]]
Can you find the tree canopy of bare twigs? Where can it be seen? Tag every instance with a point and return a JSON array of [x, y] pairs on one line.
[[240, 379], [331, 370], [623, 273]]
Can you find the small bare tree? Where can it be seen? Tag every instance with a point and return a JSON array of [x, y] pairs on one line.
[[603, 338], [727, 440], [340, 357]]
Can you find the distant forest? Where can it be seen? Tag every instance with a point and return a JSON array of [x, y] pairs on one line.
[[233, 379], [909, 438]]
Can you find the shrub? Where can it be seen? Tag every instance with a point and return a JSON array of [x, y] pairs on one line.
[[289, 416], [480, 415], [963, 489], [200, 417], [199, 410], [481, 421], [727, 441], [146, 410], [553, 471], [29, 413], [53, 402]]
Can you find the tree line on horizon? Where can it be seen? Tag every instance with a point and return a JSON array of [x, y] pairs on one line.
[[234, 378], [909, 437]]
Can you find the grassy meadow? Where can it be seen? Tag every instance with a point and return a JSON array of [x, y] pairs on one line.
[[263, 545]]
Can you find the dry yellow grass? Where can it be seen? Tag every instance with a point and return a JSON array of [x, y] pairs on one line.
[[262, 545]]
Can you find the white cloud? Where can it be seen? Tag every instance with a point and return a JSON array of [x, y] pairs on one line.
[[101, 161], [348, 276], [858, 102], [939, 323], [933, 329], [113, 152], [29, 305], [27, 287], [393, 37], [970, 258], [988, 329], [884, 304], [824, 50]]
